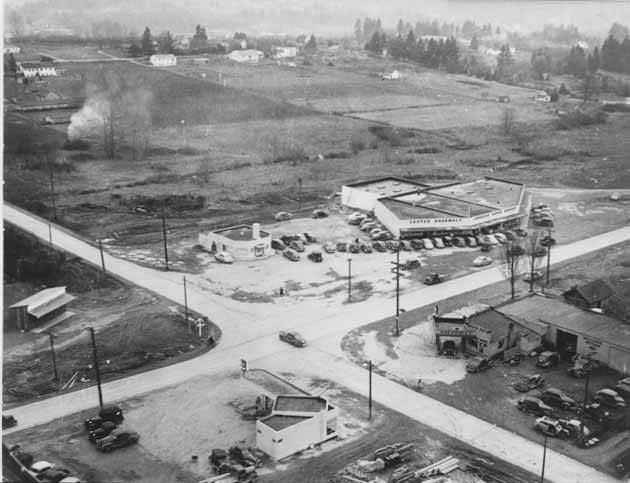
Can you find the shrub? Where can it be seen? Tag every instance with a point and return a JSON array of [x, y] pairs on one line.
[[581, 117]]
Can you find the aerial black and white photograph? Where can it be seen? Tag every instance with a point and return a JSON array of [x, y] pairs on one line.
[[316, 241]]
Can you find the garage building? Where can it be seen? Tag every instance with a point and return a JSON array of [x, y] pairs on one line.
[[243, 242], [41, 308]]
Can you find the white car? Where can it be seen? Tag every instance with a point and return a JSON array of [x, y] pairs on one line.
[[70, 479], [356, 218], [438, 242], [428, 244], [501, 238], [489, 240], [41, 466], [482, 261], [283, 216], [224, 257]]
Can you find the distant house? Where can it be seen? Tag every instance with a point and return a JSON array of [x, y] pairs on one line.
[[11, 49], [40, 308], [295, 423], [243, 242], [394, 75], [591, 295], [163, 60], [248, 56], [36, 69], [542, 96], [281, 52]]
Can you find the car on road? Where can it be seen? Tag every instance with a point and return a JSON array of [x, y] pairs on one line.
[[428, 244], [551, 427], [556, 398], [292, 337], [623, 387], [315, 256], [365, 248], [354, 247], [433, 278], [283, 216], [329, 247], [224, 257], [438, 242], [320, 214], [533, 405], [477, 364], [277, 244], [291, 255], [529, 383], [296, 245], [471, 241], [379, 246], [459, 242], [482, 261], [342, 247], [609, 397], [417, 244], [117, 439], [528, 277], [581, 366], [547, 359], [8, 421]]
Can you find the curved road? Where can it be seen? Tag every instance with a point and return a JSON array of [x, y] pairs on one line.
[[250, 333]]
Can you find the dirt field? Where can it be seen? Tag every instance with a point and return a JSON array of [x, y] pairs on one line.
[[206, 413], [489, 395], [135, 330]]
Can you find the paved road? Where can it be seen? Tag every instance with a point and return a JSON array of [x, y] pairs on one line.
[[249, 334]]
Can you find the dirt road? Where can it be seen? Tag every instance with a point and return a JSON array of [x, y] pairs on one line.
[[250, 331]]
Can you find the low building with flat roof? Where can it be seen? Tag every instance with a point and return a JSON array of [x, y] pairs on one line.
[[40, 308], [363, 195], [243, 242], [296, 422]]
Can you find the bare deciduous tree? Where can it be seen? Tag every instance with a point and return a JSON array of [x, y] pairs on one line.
[[511, 254], [535, 252]]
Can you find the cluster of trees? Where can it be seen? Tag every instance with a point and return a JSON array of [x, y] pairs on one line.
[[365, 31], [615, 54], [432, 53], [164, 44]]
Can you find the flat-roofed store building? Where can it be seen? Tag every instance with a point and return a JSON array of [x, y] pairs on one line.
[[243, 242], [296, 422], [419, 210], [39, 308]]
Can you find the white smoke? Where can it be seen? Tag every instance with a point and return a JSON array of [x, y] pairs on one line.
[[89, 120]]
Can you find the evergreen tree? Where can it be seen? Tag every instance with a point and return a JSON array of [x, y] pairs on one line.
[[199, 41], [11, 64], [541, 62], [358, 31], [505, 62], [400, 28], [474, 43], [311, 45], [147, 42], [593, 60], [166, 43]]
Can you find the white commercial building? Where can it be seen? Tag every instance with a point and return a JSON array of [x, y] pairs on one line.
[[296, 423], [408, 209], [284, 52], [34, 69], [11, 49], [163, 60], [249, 55], [243, 242]]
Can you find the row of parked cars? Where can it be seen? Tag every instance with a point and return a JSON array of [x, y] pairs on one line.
[[104, 431], [40, 470], [541, 215]]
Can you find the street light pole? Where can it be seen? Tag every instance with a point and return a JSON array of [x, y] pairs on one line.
[[370, 392], [349, 278], [398, 290], [52, 351], [100, 249], [548, 256], [164, 237], [96, 368], [542, 474], [185, 301]]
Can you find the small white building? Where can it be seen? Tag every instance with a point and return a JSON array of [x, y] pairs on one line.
[[11, 49], [296, 422], [394, 75], [284, 52], [249, 55], [243, 242], [34, 69], [163, 60]]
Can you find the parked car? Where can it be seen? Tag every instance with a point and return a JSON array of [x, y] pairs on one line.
[[596, 411], [53, 475], [547, 241], [354, 248], [117, 439], [489, 240], [342, 247], [471, 241], [540, 252], [287, 239], [438, 242], [70, 479], [533, 405], [556, 398], [501, 238], [292, 337], [291, 255], [433, 278], [405, 245], [365, 248], [477, 364], [106, 428], [320, 214], [277, 244], [623, 387], [509, 235], [609, 397], [379, 246], [368, 225], [459, 242], [111, 413], [8, 421], [309, 238], [551, 427], [528, 276], [356, 218], [329, 247], [482, 261], [417, 244], [224, 257], [428, 244], [529, 383], [315, 257], [283, 216], [581, 366], [301, 238], [40, 466], [449, 349], [392, 245], [297, 245], [410, 264], [576, 428], [548, 359], [520, 232], [379, 234], [516, 250], [486, 248], [448, 240]]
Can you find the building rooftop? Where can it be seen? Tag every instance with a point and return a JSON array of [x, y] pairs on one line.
[[240, 233], [441, 205], [279, 422], [388, 186], [495, 322], [300, 404], [45, 301], [490, 192], [594, 291], [556, 312]]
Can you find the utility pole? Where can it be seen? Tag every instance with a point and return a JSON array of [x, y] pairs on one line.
[[542, 474], [300, 193], [100, 249], [52, 187], [370, 391], [52, 351], [96, 368], [397, 273], [164, 237], [349, 278], [50, 233], [185, 301], [548, 255]]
